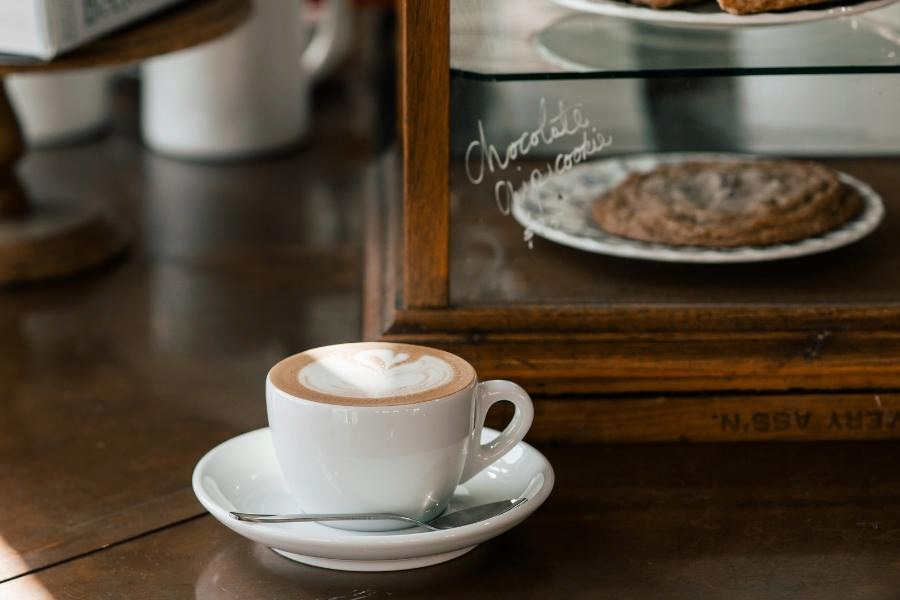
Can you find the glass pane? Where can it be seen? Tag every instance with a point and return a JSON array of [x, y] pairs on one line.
[[536, 39], [517, 136]]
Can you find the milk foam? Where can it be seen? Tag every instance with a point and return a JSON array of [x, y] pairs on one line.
[[375, 373]]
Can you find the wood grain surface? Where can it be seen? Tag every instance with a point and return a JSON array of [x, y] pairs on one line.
[[12, 196], [424, 55], [666, 522], [113, 385], [715, 417], [180, 27]]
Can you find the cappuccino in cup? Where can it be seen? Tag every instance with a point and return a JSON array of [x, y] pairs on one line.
[[372, 374], [384, 427]]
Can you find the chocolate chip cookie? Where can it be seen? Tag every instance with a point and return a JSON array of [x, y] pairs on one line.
[[748, 7], [724, 203]]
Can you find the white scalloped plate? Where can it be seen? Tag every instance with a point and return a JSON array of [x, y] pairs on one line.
[[560, 210], [708, 14]]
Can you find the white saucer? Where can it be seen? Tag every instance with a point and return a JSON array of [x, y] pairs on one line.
[[242, 475]]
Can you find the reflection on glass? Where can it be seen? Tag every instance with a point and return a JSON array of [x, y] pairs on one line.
[[536, 39]]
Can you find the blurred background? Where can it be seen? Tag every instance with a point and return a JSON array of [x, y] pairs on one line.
[[241, 96]]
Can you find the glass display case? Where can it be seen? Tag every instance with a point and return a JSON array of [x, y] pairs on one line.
[[485, 236]]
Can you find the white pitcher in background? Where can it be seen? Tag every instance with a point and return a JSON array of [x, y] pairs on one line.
[[248, 93]]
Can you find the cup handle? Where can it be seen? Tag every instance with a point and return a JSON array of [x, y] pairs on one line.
[[330, 39], [487, 394]]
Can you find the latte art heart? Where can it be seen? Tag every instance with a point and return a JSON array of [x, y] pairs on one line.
[[371, 374], [375, 373]]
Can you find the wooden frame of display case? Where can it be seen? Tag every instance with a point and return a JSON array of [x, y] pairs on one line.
[[638, 373]]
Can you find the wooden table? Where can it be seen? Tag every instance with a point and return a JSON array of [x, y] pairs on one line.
[[113, 386]]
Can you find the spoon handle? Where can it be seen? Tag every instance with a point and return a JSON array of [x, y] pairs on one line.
[[304, 518]]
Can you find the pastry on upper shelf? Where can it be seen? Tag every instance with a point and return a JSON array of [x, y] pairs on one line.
[[748, 7], [727, 203], [661, 4]]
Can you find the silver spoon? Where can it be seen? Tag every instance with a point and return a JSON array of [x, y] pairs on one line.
[[457, 518]]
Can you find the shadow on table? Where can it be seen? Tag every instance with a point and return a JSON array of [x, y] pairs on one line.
[[253, 570]]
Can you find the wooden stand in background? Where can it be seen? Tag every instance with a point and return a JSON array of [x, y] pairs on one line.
[[44, 239]]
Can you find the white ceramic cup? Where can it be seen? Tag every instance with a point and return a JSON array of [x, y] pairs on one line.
[[402, 458], [247, 93], [60, 108]]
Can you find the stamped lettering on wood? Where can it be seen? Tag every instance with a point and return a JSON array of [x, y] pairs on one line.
[[802, 421]]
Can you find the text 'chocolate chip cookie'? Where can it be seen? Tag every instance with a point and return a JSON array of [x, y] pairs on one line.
[[727, 203]]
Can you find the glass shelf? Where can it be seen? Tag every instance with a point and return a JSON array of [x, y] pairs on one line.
[[535, 39], [491, 266]]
